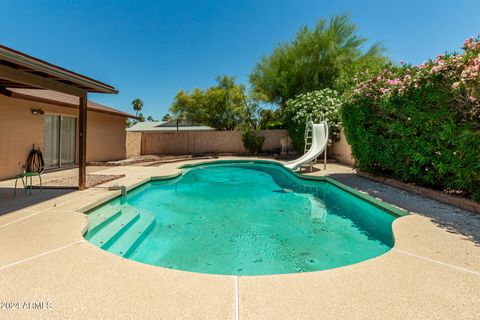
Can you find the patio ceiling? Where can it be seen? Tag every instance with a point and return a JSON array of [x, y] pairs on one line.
[[19, 70]]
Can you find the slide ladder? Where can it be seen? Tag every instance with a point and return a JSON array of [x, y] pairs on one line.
[[308, 144]]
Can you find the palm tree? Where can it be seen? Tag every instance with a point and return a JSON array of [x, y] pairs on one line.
[[137, 106]]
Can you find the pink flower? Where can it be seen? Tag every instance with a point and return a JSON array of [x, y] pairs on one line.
[[402, 62], [467, 41]]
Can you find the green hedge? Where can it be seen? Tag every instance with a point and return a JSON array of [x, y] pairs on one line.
[[420, 124]]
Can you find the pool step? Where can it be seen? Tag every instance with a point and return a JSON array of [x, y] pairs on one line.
[[318, 209], [129, 241], [112, 230], [100, 218]]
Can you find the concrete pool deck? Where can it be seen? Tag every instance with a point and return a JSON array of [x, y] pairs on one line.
[[433, 272]]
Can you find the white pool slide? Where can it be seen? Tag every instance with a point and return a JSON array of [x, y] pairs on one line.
[[319, 143]]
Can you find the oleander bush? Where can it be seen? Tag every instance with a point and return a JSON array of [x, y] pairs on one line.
[[321, 104], [421, 123]]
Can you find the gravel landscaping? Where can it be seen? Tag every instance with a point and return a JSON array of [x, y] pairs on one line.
[[72, 182]]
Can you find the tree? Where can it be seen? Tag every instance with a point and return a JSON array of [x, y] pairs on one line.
[[189, 106], [141, 117], [137, 106], [167, 117], [151, 119], [220, 106], [270, 119], [250, 115], [328, 56]]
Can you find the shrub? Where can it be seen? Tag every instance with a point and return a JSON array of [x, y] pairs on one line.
[[252, 141], [421, 123], [323, 104]]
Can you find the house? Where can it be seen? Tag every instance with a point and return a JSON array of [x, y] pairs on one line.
[[171, 125], [45, 106]]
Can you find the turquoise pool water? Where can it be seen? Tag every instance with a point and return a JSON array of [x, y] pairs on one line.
[[242, 219]]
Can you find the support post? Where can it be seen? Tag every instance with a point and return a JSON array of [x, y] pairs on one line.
[[325, 158], [82, 141]]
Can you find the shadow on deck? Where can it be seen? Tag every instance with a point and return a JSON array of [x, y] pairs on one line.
[[450, 218], [10, 203]]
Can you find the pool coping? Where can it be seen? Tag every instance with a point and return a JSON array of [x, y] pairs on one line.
[[385, 207]]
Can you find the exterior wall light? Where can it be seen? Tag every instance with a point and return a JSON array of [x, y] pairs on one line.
[[37, 112]]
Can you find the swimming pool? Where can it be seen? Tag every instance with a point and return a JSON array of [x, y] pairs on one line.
[[243, 218]]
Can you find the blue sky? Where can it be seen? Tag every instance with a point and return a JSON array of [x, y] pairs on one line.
[[152, 49]]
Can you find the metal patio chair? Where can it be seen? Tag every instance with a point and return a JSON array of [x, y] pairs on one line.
[[35, 168]]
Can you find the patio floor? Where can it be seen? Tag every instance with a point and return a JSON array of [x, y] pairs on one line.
[[433, 272], [9, 202]]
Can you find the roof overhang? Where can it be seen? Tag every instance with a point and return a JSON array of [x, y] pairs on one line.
[[11, 60], [60, 99]]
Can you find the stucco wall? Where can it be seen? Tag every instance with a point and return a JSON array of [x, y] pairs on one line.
[[200, 142], [341, 150], [134, 144], [19, 129], [106, 137]]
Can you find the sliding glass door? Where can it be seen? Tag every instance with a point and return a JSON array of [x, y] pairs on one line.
[[68, 138], [51, 141], [60, 143]]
